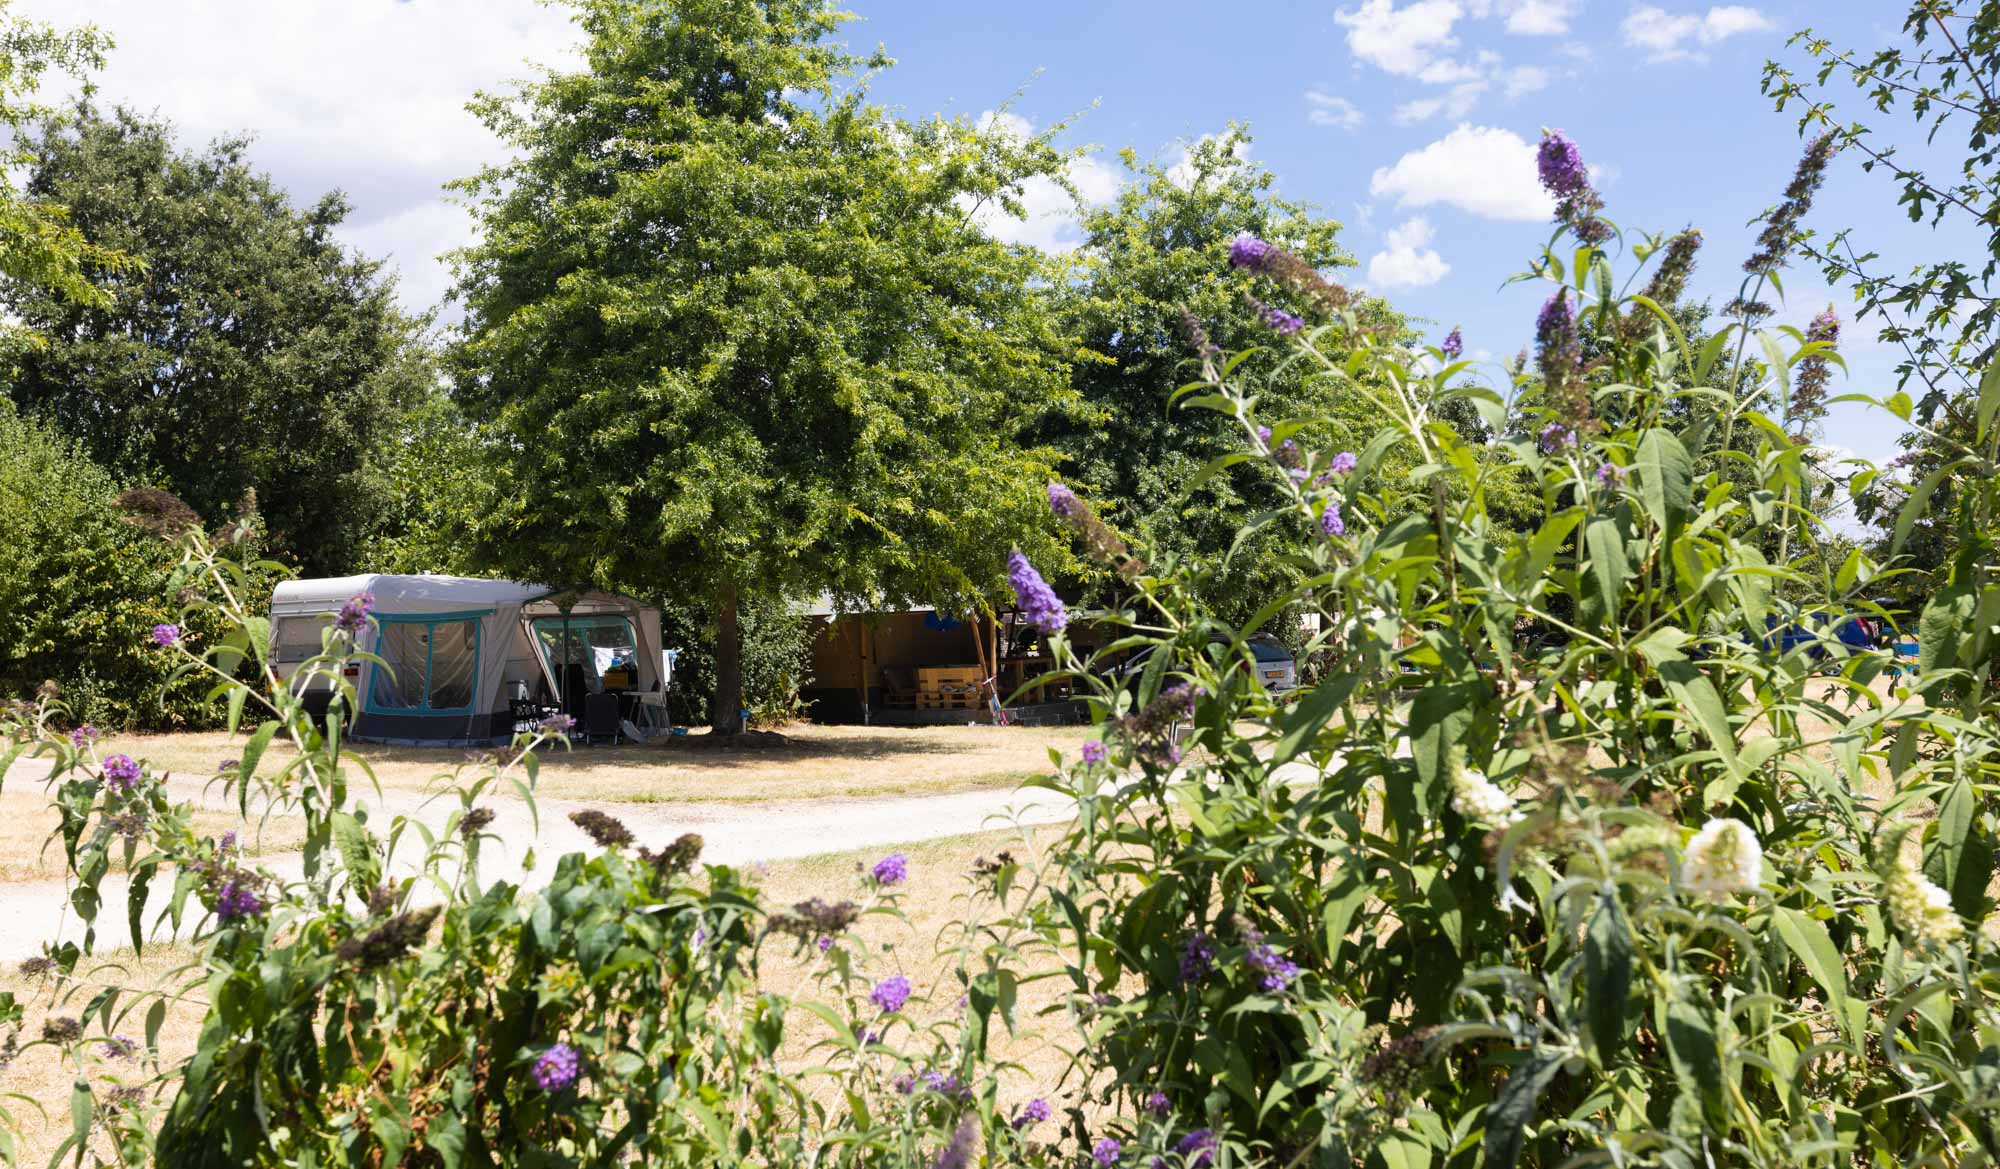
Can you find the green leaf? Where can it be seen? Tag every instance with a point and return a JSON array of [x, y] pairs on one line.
[[1697, 698], [1303, 720], [1914, 507], [1513, 1108], [1609, 566], [1607, 974], [1958, 856], [1806, 937], [1664, 477], [357, 852], [1697, 1059], [1989, 402]]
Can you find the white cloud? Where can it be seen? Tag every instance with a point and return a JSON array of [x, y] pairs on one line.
[[1522, 79], [1331, 110], [1669, 36], [1457, 103], [1483, 170], [1049, 213], [1402, 41], [1541, 18], [365, 95], [1406, 261]]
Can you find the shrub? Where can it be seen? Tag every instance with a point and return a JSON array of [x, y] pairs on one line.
[[80, 586], [1649, 891]]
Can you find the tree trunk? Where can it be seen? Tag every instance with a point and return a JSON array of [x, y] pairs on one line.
[[727, 716]]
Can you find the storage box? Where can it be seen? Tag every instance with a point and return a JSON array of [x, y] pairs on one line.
[[942, 677]]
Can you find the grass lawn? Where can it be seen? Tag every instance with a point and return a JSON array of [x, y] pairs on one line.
[[932, 901], [822, 761]]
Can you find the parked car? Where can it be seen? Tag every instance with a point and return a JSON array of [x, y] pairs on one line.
[[1277, 667]]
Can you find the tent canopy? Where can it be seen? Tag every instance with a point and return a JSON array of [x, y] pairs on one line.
[[460, 649]]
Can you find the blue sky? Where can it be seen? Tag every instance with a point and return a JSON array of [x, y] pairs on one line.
[[1408, 120], [1663, 98]]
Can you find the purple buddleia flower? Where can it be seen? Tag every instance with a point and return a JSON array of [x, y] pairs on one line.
[[1555, 333], [1092, 752], [1560, 164], [1106, 1150], [1454, 344], [239, 899], [121, 1047], [1330, 520], [824, 944], [556, 1068], [1247, 251], [121, 774], [1197, 958], [905, 1084], [893, 869], [1033, 1112], [1198, 1147], [353, 615], [1555, 436], [1611, 476], [83, 736], [166, 636], [1038, 602], [1343, 463], [1280, 321], [891, 993], [1062, 501], [228, 842], [959, 1152], [1276, 970], [1158, 1104], [556, 724]]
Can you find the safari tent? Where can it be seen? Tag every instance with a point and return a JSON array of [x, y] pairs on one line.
[[470, 659]]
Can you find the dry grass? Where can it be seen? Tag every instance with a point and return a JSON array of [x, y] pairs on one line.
[[920, 944], [822, 761], [28, 822], [40, 1080], [915, 944]]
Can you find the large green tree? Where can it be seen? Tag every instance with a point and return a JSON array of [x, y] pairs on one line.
[[734, 333], [1150, 260], [40, 249], [253, 353]]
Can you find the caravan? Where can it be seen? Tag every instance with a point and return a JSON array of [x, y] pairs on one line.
[[472, 661]]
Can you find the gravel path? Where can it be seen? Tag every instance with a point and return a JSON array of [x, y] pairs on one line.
[[32, 912]]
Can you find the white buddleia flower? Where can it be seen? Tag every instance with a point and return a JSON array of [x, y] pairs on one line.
[[1920, 909], [1479, 798], [1722, 859]]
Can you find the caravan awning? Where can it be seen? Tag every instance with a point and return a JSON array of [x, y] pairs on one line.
[[401, 594]]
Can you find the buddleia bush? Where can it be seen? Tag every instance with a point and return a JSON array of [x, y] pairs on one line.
[[1590, 847], [387, 1004]]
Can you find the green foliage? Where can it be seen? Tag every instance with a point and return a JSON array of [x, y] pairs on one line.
[[1148, 259], [40, 248], [434, 466], [80, 587], [733, 333], [390, 1006], [254, 354], [1936, 81], [777, 661], [1451, 906]]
